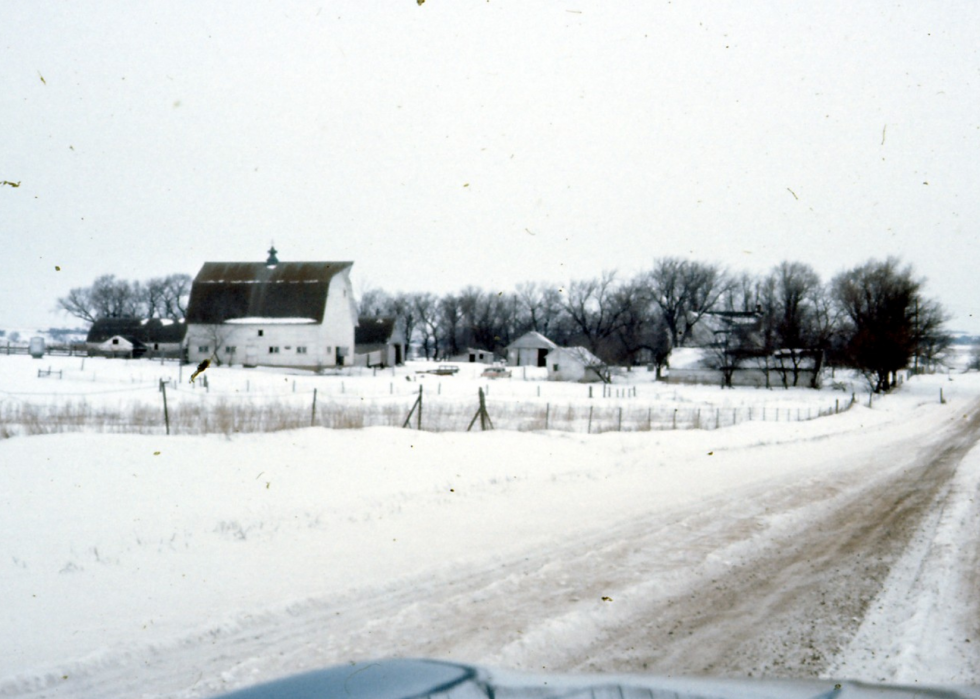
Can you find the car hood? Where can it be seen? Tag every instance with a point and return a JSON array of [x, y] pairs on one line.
[[432, 679]]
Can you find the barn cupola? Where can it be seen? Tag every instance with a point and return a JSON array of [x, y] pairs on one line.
[[273, 260]]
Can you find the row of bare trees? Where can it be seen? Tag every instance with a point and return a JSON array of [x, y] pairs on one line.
[[873, 318], [109, 297]]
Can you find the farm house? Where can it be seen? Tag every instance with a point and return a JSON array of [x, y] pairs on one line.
[[530, 349], [286, 314]]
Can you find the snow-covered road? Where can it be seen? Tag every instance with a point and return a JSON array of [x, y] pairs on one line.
[[845, 546]]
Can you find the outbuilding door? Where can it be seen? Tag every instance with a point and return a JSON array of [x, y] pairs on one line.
[[251, 355], [542, 357]]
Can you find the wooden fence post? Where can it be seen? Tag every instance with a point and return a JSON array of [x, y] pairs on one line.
[[482, 414], [416, 404], [589, 430], [166, 413], [313, 415], [547, 414]]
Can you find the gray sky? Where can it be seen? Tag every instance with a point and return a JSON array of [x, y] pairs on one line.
[[486, 142]]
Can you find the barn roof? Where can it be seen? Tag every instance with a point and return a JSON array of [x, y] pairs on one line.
[[532, 340], [231, 290], [137, 330], [582, 355], [374, 330]]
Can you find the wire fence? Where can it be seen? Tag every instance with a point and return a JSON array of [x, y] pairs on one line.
[[195, 412]]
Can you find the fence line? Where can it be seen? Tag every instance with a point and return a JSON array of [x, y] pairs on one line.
[[244, 413]]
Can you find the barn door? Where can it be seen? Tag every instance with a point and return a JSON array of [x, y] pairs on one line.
[[251, 355]]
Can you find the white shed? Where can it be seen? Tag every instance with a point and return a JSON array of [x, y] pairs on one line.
[[575, 364], [530, 349]]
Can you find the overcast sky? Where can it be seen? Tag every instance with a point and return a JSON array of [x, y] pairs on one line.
[[486, 142]]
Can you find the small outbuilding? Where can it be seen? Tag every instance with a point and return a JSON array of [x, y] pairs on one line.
[[378, 342], [132, 338], [530, 349], [474, 355], [576, 364]]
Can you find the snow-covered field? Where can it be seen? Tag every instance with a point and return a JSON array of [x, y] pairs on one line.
[[69, 393], [185, 565]]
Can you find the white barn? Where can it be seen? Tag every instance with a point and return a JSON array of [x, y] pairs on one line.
[[288, 314]]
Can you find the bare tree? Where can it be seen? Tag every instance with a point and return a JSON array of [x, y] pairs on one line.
[[403, 307], [798, 309], [685, 291], [109, 297], [594, 309], [375, 302], [175, 291], [450, 322], [426, 310], [929, 335], [539, 308], [878, 301], [488, 318], [78, 302]]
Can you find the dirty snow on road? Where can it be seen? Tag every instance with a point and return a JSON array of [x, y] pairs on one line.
[[185, 566]]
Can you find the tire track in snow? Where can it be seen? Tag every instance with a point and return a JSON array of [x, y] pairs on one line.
[[790, 612], [692, 590]]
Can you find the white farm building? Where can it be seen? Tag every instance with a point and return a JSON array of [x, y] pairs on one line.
[[530, 349], [288, 314], [576, 364]]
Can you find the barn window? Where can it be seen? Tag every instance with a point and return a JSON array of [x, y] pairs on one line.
[[554, 367], [230, 350], [202, 348], [273, 350], [115, 340], [261, 333], [300, 350], [156, 345]]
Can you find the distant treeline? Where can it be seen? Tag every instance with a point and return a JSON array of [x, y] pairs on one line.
[[108, 297], [873, 317]]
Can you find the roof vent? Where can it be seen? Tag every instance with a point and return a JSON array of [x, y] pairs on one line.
[[273, 260]]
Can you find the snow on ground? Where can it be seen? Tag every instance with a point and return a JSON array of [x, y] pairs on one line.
[[127, 550]]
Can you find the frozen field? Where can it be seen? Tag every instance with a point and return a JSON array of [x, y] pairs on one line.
[[142, 565], [97, 394]]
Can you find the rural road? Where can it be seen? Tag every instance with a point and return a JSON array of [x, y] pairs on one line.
[[774, 581]]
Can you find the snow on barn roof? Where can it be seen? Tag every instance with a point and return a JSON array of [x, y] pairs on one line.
[[582, 355], [270, 321], [532, 340], [224, 291]]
